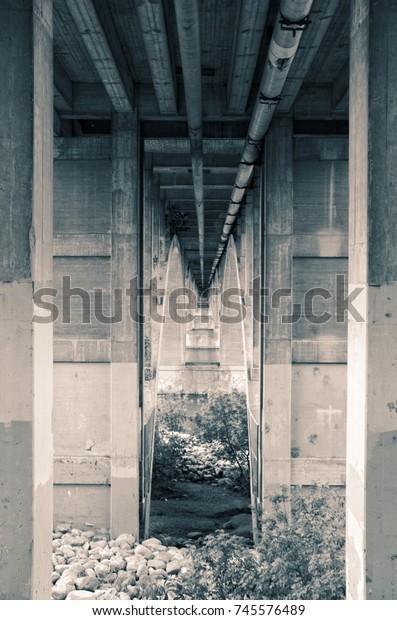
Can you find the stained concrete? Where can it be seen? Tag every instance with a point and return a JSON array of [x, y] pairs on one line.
[[371, 415], [26, 132], [277, 339], [125, 408], [16, 517]]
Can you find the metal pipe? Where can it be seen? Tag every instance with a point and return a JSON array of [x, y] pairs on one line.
[[292, 20], [188, 25]]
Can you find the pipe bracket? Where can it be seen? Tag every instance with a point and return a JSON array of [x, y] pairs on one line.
[[270, 101], [253, 142], [294, 27]]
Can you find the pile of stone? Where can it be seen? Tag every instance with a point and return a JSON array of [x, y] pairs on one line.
[[87, 565], [200, 463]]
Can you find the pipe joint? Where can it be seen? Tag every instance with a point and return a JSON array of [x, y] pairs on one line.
[[269, 101], [253, 142], [294, 26]]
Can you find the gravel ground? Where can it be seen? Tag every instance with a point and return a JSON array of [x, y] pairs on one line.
[[89, 566]]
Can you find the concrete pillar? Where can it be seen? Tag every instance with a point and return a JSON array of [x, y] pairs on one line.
[[151, 334], [26, 127], [372, 343], [250, 265], [277, 343], [125, 373]]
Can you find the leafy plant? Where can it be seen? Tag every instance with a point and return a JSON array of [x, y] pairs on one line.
[[302, 552], [224, 569], [170, 441], [301, 555], [223, 420]]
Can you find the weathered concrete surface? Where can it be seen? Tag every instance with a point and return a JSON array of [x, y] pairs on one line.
[[277, 342], [172, 346], [16, 145], [82, 503], [372, 357], [25, 264], [125, 389], [82, 409], [16, 510], [319, 411], [82, 352], [250, 255], [125, 442], [231, 326]]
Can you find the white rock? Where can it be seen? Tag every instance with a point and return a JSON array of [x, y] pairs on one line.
[[81, 595], [98, 543], [108, 595], [87, 583], [106, 553], [67, 552], [173, 568], [142, 570], [101, 570], [144, 551], [125, 538], [61, 589], [132, 565], [151, 541], [156, 564], [117, 563]]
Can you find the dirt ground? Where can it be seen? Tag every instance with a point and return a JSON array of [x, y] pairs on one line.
[[193, 507]]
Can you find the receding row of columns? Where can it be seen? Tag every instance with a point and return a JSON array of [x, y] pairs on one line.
[[26, 264]]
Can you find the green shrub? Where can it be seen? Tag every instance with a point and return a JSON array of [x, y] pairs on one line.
[[224, 569], [223, 421], [170, 442], [301, 556]]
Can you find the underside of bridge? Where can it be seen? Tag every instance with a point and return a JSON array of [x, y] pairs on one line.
[[225, 164]]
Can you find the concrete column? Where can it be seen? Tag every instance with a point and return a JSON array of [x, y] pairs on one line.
[[151, 329], [277, 343], [249, 261], [26, 127], [372, 343], [125, 413]]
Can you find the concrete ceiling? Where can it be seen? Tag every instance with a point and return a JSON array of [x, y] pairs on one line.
[[116, 54]]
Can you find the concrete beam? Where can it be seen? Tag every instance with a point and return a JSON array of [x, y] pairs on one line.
[[216, 170], [86, 148], [340, 89], [250, 24], [100, 37], [63, 88], [181, 145], [155, 38], [321, 17]]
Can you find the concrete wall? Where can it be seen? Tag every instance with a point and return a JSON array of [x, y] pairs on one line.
[[82, 371], [319, 347]]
